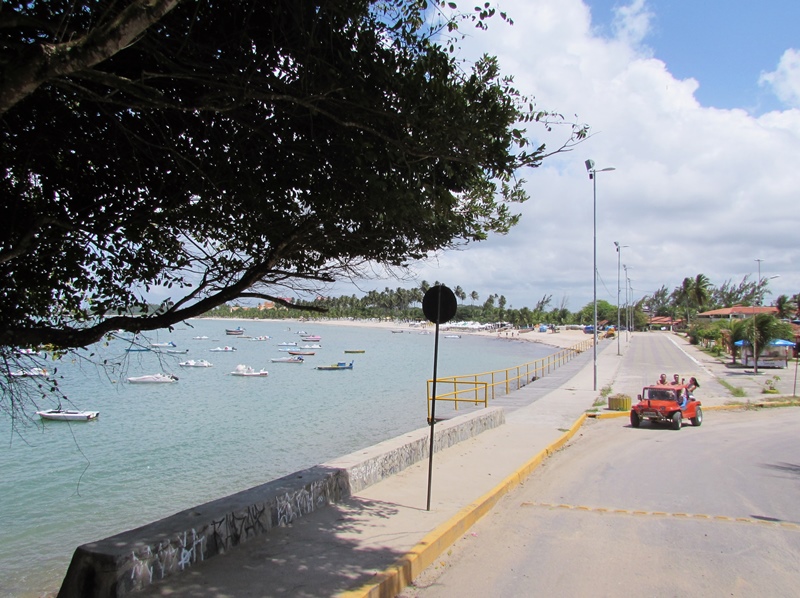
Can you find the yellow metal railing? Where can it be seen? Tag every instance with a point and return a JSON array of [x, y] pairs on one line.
[[479, 388]]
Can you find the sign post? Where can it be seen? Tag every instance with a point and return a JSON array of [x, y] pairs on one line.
[[439, 306]]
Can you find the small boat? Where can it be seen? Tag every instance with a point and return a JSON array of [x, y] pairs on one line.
[[397, 332], [336, 366], [259, 338], [70, 415], [169, 344], [199, 338], [297, 359], [28, 352], [31, 373], [452, 336], [287, 344], [225, 349], [301, 352], [246, 370], [177, 351], [153, 379], [311, 347], [137, 349], [355, 350], [196, 363], [238, 331], [312, 339]]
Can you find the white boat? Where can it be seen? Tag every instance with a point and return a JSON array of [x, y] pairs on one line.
[[224, 349], [238, 331], [153, 379], [295, 359], [287, 344], [246, 370], [169, 344], [452, 336], [196, 363], [259, 338], [199, 338], [311, 347], [313, 338], [177, 351], [68, 415], [31, 373]]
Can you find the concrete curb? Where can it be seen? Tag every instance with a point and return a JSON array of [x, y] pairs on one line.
[[391, 581]]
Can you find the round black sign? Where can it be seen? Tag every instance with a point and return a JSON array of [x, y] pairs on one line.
[[439, 304]]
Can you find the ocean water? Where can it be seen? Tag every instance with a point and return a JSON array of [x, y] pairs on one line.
[[158, 449]]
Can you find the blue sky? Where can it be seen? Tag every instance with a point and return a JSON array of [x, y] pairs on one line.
[[724, 44]]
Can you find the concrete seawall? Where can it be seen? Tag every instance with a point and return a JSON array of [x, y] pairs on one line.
[[132, 560]]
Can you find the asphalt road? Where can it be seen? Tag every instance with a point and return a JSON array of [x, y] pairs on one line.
[[708, 511]]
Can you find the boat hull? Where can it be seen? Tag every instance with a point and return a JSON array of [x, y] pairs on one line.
[[67, 415]]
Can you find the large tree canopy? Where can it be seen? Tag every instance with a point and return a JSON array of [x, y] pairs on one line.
[[234, 148]]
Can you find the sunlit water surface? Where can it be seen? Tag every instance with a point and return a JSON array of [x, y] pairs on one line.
[[159, 449]]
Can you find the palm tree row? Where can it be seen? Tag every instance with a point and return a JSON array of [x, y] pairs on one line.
[[694, 295]]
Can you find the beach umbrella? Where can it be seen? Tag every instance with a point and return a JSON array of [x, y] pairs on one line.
[[781, 343]]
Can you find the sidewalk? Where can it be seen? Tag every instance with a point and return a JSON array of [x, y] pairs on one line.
[[377, 541]]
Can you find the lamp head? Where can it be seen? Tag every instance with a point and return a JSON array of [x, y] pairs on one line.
[[589, 165]]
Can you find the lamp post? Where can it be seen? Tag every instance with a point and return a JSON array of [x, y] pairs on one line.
[[759, 301], [593, 177], [619, 257], [628, 306]]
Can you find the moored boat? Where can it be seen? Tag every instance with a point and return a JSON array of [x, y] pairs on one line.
[[355, 351], [196, 363], [169, 344], [287, 344], [301, 352], [296, 359], [311, 347], [31, 373], [68, 415], [336, 366], [225, 349], [238, 331], [153, 379], [312, 338], [246, 370]]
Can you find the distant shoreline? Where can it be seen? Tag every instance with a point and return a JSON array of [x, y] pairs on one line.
[[561, 340]]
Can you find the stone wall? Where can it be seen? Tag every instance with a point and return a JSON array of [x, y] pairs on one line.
[[134, 559]]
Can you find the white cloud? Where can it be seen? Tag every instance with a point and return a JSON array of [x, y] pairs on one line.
[[785, 80], [696, 189]]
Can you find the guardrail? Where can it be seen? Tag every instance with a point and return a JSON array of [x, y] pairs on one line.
[[480, 388]]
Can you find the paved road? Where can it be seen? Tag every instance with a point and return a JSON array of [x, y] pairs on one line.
[[606, 517]]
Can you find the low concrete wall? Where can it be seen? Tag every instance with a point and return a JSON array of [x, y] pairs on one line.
[[134, 559]]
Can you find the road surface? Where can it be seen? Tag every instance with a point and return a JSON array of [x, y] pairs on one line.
[[708, 511]]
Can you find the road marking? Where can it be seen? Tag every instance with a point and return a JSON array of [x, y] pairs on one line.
[[637, 512]]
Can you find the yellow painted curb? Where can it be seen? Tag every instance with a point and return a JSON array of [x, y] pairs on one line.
[[391, 582]]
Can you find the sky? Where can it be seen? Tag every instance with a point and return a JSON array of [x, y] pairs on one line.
[[696, 105]]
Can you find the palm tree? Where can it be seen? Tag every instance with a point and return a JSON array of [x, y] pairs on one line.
[[459, 292], [473, 296], [787, 308], [762, 329], [701, 293]]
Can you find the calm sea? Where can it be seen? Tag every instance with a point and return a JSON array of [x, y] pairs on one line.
[[159, 449]]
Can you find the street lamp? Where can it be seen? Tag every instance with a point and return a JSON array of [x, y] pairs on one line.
[[619, 257], [593, 177]]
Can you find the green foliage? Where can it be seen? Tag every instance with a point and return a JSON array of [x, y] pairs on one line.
[[239, 149]]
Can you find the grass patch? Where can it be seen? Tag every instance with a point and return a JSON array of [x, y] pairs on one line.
[[605, 391], [736, 391], [599, 402]]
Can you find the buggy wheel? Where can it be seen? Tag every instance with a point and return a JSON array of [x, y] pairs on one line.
[[698, 418], [676, 420], [635, 419]]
